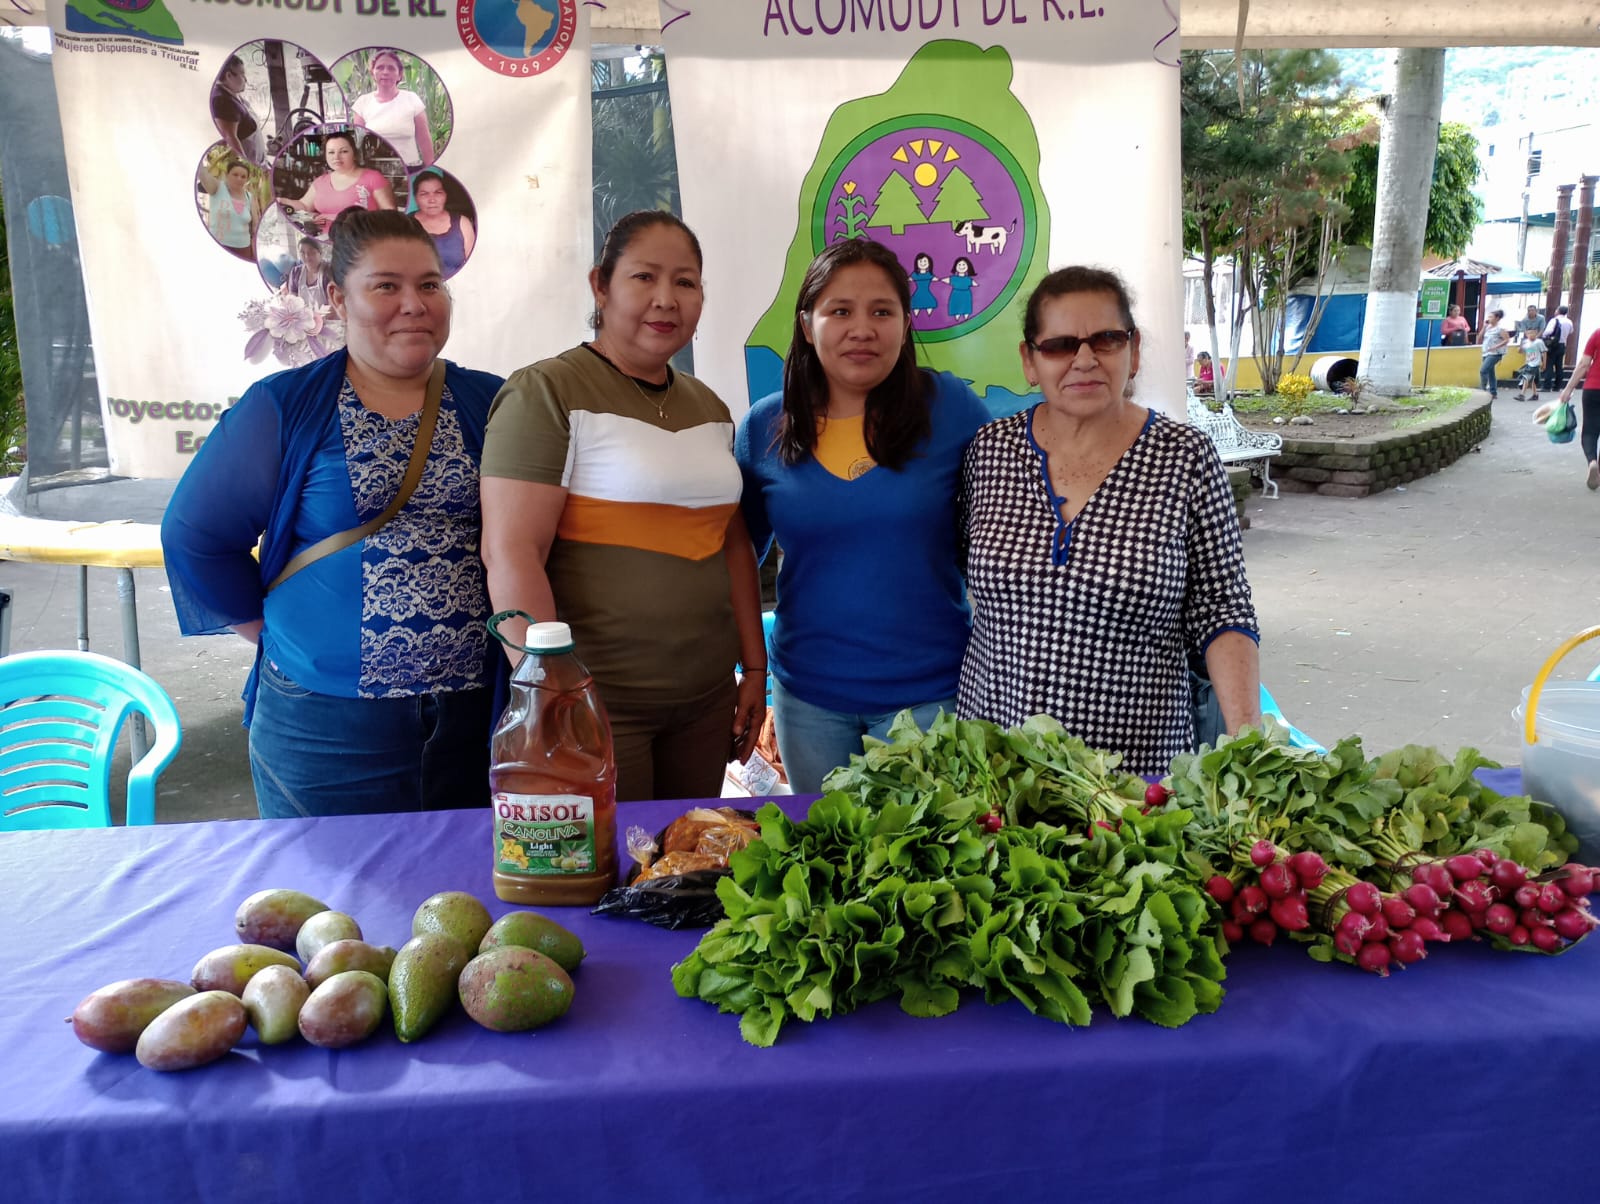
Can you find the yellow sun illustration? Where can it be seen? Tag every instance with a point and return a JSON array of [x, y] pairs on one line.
[[925, 172]]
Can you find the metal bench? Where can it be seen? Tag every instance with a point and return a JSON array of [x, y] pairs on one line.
[[1238, 444]]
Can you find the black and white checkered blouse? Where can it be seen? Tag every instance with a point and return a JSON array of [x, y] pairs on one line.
[[1091, 621]]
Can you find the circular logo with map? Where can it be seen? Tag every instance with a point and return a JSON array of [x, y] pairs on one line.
[[953, 205], [517, 37]]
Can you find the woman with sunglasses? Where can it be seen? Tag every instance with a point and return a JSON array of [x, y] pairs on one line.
[[854, 468], [1102, 546]]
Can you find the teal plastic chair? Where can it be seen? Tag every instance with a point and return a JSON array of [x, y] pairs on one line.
[[60, 716]]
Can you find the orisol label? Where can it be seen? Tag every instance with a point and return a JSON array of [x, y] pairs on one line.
[[542, 834]]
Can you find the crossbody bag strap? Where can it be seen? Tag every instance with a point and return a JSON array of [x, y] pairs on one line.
[[419, 461]]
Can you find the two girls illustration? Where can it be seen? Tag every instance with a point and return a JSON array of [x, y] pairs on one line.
[[961, 279]]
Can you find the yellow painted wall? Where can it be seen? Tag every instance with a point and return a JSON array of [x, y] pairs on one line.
[[1445, 366]]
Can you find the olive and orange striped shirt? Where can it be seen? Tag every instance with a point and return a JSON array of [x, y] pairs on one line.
[[636, 567]]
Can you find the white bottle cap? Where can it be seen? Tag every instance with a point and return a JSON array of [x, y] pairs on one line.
[[548, 637]]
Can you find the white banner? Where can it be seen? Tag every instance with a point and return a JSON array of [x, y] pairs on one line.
[[210, 144], [985, 141]]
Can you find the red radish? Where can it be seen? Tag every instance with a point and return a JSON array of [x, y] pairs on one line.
[[1508, 875], [1573, 924], [1423, 899], [1500, 919], [1231, 932], [1455, 923], [1309, 868], [1488, 857], [1532, 917], [1578, 883], [1254, 900], [1364, 897], [1107, 824], [1374, 957], [1263, 931], [1347, 943], [1464, 867], [1545, 940], [1551, 898], [1156, 795], [1519, 935], [1290, 914], [1429, 929], [1433, 874], [1263, 853], [1355, 924], [1475, 896], [1220, 888], [1278, 881], [1379, 929], [1407, 947], [1527, 895], [992, 822], [1398, 912]]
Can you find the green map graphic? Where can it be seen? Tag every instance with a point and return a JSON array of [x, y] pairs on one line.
[[945, 81], [147, 19]]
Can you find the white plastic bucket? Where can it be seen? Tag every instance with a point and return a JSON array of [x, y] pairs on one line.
[[1560, 724]]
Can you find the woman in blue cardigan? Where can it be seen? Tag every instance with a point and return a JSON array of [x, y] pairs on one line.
[[854, 468], [370, 691]]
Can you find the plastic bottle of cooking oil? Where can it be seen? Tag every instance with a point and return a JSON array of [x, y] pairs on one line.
[[553, 779]]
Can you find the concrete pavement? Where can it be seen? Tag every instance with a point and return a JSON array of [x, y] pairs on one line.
[[1418, 615]]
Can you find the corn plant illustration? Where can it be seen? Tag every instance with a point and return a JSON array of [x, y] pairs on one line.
[[854, 216]]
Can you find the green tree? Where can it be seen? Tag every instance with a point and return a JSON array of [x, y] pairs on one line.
[[958, 200], [896, 205], [1453, 209], [1263, 177], [635, 157]]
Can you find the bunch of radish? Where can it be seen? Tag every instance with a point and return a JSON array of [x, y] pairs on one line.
[[1271, 895], [1482, 892]]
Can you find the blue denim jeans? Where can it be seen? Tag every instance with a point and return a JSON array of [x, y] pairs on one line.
[[1486, 372], [812, 741], [314, 754]]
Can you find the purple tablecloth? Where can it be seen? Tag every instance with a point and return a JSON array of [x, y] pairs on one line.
[[1311, 1083]]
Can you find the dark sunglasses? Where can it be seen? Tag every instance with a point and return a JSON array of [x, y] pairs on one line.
[[1101, 342]]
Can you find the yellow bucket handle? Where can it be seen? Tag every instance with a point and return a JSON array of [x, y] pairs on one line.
[[1538, 679]]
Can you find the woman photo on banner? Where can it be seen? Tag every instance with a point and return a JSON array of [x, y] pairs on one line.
[[854, 467], [235, 120], [400, 98], [347, 183], [229, 194], [447, 213], [1103, 552], [611, 503], [357, 475]]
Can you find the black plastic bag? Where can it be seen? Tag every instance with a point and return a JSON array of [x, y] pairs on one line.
[[671, 901]]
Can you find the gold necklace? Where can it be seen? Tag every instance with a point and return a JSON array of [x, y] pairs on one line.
[[659, 403]]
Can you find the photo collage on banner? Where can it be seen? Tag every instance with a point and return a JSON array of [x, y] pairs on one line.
[[983, 141], [472, 115]]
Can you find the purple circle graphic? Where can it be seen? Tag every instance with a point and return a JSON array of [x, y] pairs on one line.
[[950, 210]]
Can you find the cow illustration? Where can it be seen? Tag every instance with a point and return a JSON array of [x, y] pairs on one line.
[[993, 237]]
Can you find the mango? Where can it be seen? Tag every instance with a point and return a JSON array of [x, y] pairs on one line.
[[510, 989], [272, 1000], [533, 931], [323, 929], [422, 983], [111, 1018], [192, 1032], [273, 917], [455, 914], [232, 966], [338, 956], [345, 1009]]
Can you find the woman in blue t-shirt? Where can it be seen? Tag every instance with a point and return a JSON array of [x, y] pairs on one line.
[[854, 469], [371, 687]]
